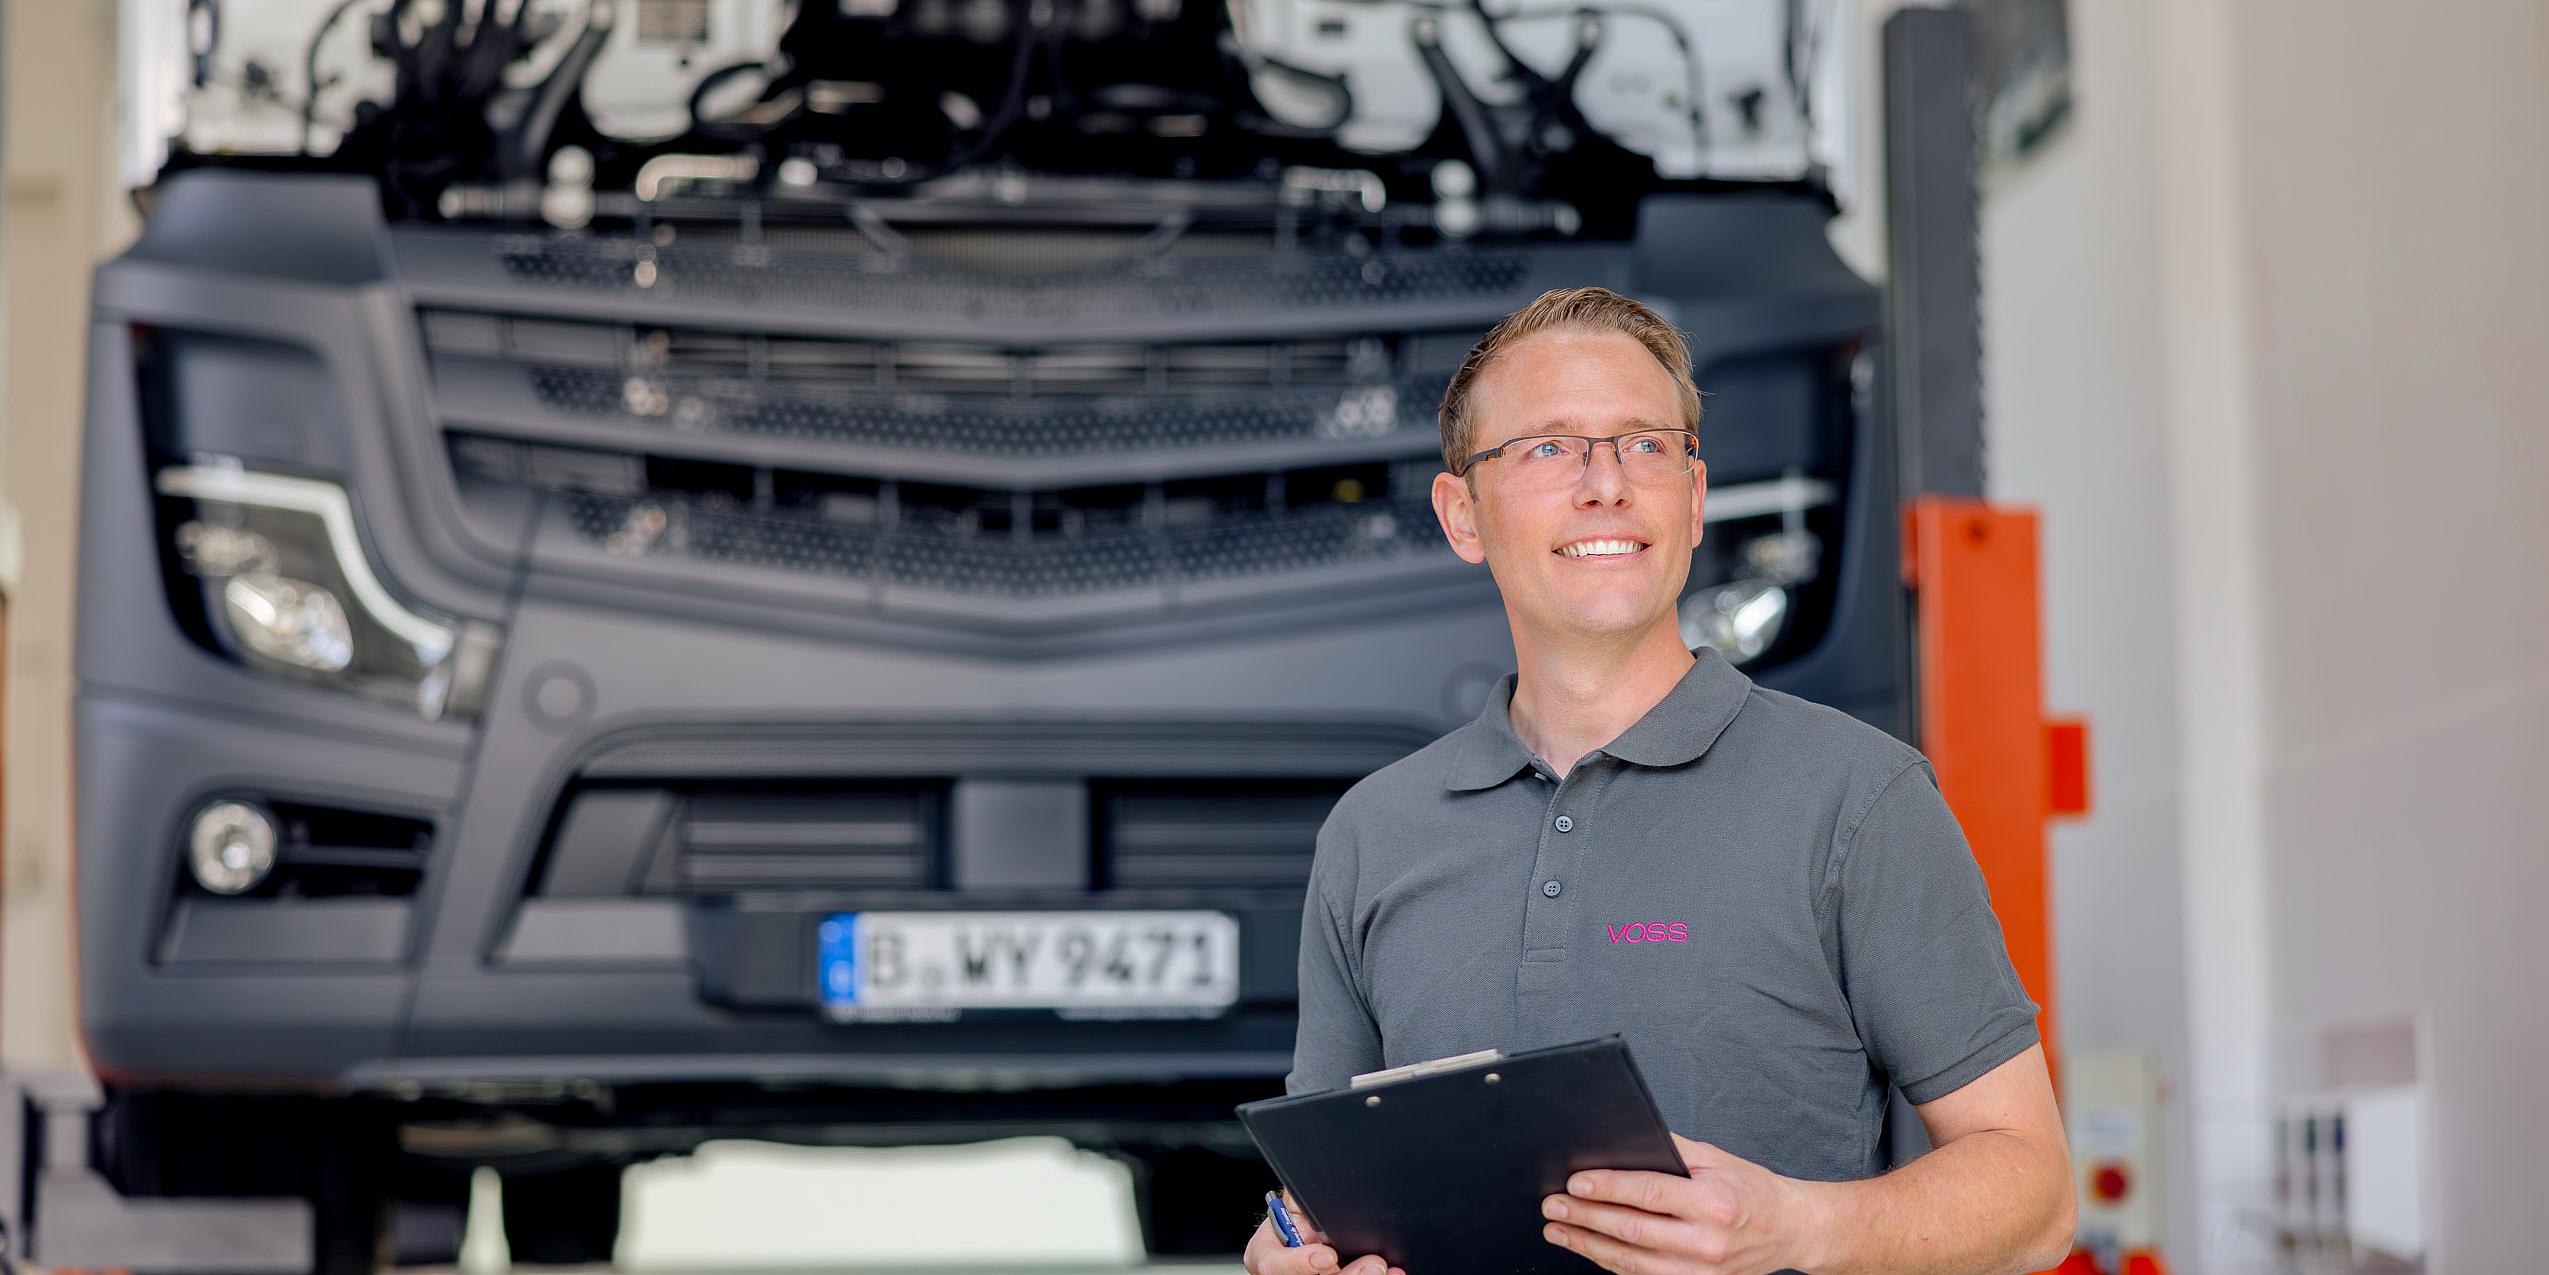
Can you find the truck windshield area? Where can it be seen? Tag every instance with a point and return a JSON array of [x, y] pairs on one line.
[[1410, 118]]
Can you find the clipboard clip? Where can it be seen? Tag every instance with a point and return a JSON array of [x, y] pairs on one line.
[[1426, 1068]]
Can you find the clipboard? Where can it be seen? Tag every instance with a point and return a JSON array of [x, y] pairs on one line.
[[1440, 1166]]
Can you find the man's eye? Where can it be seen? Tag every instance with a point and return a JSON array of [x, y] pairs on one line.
[[1545, 450], [1648, 444]]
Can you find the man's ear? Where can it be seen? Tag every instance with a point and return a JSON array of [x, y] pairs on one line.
[[1456, 507], [1698, 500]]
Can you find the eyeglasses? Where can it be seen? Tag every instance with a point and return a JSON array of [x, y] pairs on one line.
[[1558, 460]]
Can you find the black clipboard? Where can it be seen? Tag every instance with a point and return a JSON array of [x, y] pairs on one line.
[[1441, 1168]]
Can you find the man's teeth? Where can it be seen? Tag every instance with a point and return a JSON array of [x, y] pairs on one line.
[[1600, 548]]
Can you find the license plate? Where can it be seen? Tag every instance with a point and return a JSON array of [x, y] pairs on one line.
[[937, 965]]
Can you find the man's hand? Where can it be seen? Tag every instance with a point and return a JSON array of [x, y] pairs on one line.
[[1266, 1254], [1729, 1217]]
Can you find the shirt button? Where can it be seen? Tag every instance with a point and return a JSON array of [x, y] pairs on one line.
[[1566, 823], [1549, 888]]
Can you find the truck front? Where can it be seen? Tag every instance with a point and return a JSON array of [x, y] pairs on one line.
[[676, 570]]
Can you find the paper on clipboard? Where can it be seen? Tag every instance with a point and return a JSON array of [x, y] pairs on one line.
[[1426, 1068]]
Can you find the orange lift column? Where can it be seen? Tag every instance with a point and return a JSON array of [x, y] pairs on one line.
[[2004, 767]]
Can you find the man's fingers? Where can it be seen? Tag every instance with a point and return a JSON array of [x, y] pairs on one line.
[[1301, 1223], [1602, 1250], [1638, 1227], [1267, 1255], [1316, 1256], [1636, 1188], [1309, 1259]]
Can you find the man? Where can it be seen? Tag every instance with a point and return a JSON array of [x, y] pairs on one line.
[[1767, 897]]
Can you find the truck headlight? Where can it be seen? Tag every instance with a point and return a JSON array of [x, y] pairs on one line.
[[288, 591], [1745, 616], [1741, 619]]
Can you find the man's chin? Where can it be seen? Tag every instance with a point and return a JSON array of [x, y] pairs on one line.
[[1608, 617]]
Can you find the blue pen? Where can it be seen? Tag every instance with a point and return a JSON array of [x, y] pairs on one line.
[[1282, 1220]]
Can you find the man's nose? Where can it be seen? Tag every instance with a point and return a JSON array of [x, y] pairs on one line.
[[1603, 481]]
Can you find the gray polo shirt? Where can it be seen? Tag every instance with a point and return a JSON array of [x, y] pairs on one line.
[[1768, 897]]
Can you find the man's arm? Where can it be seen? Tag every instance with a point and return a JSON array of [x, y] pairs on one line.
[[1335, 1041], [1994, 1197], [1336, 1038], [1997, 1182], [1942, 1011]]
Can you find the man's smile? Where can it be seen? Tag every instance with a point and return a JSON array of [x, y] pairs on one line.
[[1602, 547]]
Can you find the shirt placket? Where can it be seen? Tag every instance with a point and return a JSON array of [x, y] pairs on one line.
[[1548, 914]]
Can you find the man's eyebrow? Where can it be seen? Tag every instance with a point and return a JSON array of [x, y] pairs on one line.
[[1564, 425]]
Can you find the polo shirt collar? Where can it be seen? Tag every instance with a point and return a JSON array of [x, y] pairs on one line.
[[1677, 730]]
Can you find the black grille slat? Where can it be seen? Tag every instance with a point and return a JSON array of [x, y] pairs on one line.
[[1210, 834], [739, 836], [804, 840], [791, 872]]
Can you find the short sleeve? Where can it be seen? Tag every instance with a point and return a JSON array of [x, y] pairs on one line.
[[1923, 964], [1336, 1039]]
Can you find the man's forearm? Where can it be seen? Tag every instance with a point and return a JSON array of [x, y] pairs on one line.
[[1988, 1202]]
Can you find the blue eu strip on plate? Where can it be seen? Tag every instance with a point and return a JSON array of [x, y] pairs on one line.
[[837, 952]]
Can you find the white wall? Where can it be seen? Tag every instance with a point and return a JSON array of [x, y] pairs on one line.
[[63, 214], [2269, 340], [2398, 259]]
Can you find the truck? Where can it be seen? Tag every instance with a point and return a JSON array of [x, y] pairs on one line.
[[655, 570]]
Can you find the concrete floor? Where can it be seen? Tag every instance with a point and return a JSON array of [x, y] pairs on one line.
[[1016, 1206]]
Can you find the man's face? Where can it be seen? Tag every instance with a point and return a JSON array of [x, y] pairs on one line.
[[1556, 552]]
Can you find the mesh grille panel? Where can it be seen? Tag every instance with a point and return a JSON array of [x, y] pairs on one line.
[[1252, 545], [949, 423], [881, 281]]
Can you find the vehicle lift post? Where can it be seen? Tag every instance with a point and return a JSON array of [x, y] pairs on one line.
[[1970, 566]]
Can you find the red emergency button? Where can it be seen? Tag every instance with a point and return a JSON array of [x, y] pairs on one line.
[[2109, 1182]]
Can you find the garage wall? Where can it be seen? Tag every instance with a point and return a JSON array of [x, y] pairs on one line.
[[2398, 263], [63, 214], [2269, 341]]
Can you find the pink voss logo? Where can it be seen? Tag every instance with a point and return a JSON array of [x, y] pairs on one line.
[[1648, 932]]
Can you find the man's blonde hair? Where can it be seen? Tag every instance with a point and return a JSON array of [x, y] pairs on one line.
[[1593, 309]]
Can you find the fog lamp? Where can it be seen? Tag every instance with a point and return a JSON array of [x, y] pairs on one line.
[[230, 847]]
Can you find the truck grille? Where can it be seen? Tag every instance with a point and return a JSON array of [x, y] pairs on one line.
[[1008, 438], [930, 397], [902, 472], [848, 275], [867, 838]]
